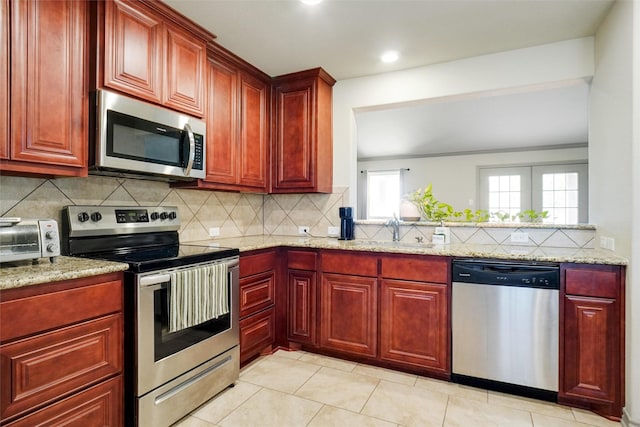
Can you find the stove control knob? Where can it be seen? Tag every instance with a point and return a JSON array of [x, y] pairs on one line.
[[83, 217], [172, 215], [164, 215], [96, 216], [51, 234], [154, 216], [52, 247]]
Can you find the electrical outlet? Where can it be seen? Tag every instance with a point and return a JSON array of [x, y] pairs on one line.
[[303, 229], [214, 231], [333, 231], [519, 237], [608, 243], [603, 242]]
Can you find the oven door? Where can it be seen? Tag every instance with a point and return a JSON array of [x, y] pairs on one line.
[[162, 355]]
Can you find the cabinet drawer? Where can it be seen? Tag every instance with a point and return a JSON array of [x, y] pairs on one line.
[[256, 333], [257, 263], [421, 269], [42, 368], [27, 316], [350, 263], [256, 293], [302, 260], [594, 281], [98, 406]]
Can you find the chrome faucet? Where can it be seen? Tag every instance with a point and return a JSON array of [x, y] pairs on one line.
[[394, 223]]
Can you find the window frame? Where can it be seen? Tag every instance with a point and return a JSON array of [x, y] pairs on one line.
[[532, 173]]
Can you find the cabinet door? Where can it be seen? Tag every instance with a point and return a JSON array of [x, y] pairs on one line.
[[591, 349], [49, 104], [58, 363], [294, 145], [133, 61], [348, 314], [257, 332], [257, 292], [302, 306], [185, 70], [413, 324], [254, 135], [98, 406], [222, 153], [4, 79]]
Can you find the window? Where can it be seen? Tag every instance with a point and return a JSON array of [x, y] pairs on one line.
[[561, 190], [381, 196], [504, 194]]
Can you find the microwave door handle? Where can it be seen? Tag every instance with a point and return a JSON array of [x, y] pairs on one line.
[[192, 148]]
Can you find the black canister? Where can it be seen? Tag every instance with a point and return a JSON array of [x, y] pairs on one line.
[[346, 224]]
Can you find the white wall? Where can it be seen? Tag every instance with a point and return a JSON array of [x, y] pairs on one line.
[[632, 410], [534, 66], [613, 154], [455, 178]]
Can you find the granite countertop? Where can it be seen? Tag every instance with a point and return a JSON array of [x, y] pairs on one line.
[[23, 273], [511, 252]]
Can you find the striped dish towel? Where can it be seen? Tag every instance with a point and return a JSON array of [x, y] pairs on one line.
[[197, 295]]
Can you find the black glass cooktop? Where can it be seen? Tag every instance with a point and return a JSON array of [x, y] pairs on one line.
[[161, 257]]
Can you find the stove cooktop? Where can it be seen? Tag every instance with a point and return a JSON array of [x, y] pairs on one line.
[[162, 257]]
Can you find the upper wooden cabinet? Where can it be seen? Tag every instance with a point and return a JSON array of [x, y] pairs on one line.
[[44, 114], [237, 117], [153, 53], [4, 79], [302, 148]]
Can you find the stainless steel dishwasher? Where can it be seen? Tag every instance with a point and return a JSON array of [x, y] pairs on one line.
[[505, 326]]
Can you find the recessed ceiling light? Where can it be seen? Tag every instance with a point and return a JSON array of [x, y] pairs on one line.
[[311, 2], [390, 56]]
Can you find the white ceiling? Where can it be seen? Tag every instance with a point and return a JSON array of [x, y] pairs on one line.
[[346, 38]]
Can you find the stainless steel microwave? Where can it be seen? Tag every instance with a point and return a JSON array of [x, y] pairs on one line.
[[137, 138]]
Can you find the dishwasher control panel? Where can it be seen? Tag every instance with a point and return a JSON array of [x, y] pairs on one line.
[[505, 273]]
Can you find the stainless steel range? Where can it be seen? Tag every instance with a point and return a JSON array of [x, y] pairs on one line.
[[181, 307]]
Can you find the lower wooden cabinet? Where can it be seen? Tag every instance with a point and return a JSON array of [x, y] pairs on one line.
[[348, 314], [414, 324], [97, 406], [61, 353], [258, 273], [592, 344], [302, 307], [257, 332], [301, 296]]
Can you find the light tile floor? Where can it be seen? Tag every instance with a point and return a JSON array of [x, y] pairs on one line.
[[303, 389]]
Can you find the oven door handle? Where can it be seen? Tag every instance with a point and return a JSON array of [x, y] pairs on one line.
[[156, 279]]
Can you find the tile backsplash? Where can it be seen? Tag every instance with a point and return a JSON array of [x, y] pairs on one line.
[[236, 214], [240, 214], [553, 237]]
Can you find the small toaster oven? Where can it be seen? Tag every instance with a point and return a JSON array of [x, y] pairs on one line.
[[28, 239]]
